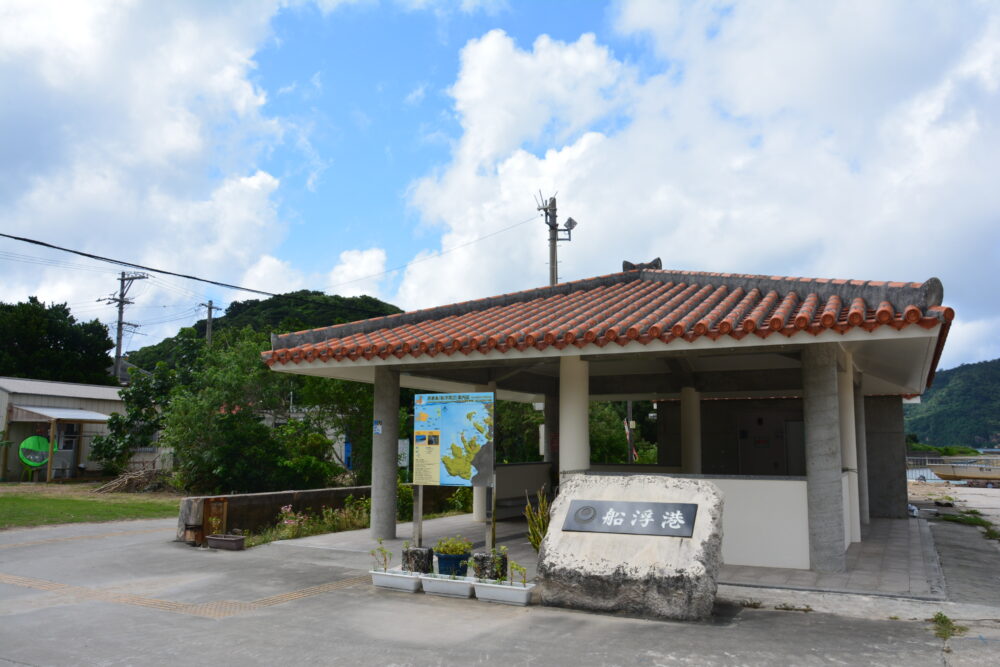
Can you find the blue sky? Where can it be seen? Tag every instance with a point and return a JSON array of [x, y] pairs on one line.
[[386, 119], [290, 144]]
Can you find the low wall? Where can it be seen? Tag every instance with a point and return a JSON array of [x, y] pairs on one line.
[[765, 520], [254, 511], [519, 482]]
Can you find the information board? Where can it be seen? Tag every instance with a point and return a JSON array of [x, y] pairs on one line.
[[453, 439]]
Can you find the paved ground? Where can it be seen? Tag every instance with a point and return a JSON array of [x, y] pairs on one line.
[[894, 557], [126, 594]]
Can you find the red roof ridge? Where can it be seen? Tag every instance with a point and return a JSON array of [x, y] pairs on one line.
[[638, 305]]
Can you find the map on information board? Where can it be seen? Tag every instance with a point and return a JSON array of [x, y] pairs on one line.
[[453, 439]]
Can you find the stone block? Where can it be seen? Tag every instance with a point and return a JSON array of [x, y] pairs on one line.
[[654, 576]]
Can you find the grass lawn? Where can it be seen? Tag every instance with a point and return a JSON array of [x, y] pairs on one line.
[[33, 506]]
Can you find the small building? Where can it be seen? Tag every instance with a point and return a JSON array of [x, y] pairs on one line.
[[70, 414], [785, 392]]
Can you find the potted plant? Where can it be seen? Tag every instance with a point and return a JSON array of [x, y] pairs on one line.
[[490, 565], [419, 560], [509, 591], [383, 577], [449, 585], [453, 555], [217, 540]]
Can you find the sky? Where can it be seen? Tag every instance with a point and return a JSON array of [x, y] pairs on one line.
[[397, 147]]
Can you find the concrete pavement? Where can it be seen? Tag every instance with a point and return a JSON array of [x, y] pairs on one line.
[[126, 594]]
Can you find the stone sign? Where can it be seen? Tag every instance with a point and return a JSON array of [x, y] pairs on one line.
[[649, 573], [611, 516]]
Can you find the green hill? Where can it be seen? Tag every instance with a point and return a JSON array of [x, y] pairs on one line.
[[294, 311], [962, 407]]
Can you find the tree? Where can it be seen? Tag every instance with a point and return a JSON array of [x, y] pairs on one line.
[[147, 395], [47, 343], [516, 438], [231, 427]]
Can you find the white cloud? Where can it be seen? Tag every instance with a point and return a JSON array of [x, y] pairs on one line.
[[842, 140], [136, 137], [416, 96], [270, 274], [351, 276]]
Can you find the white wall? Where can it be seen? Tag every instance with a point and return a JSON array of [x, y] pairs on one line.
[[764, 522]]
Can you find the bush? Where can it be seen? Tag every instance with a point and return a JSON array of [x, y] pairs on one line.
[[404, 501], [353, 515], [461, 500]]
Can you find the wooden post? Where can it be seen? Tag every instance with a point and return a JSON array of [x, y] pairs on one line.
[[52, 450], [6, 450], [76, 449], [418, 517]]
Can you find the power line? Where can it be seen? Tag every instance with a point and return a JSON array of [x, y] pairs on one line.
[[136, 266], [177, 288]]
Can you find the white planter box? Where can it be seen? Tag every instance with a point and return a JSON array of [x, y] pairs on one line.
[[436, 584], [396, 579], [515, 593]]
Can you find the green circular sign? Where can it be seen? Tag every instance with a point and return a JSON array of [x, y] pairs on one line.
[[34, 451]]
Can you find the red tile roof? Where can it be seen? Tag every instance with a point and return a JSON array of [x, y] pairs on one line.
[[628, 308]]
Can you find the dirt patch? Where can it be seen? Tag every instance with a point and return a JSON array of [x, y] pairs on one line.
[[81, 489]]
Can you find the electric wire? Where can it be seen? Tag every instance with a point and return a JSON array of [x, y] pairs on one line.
[[178, 289]]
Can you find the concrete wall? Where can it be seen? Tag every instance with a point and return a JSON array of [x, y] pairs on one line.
[[253, 511], [764, 520], [886, 444], [720, 430]]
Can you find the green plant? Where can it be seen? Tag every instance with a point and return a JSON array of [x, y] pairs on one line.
[[973, 512], [404, 501], [499, 557], [382, 556], [944, 627], [784, 606], [352, 516], [967, 519], [461, 500], [453, 546], [538, 518], [992, 534], [519, 569], [214, 524]]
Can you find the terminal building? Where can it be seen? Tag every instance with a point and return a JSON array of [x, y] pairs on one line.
[[785, 392]]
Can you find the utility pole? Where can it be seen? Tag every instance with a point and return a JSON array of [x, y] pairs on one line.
[[208, 322], [549, 208], [125, 281]]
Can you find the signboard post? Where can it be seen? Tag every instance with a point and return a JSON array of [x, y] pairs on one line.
[[452, 444]]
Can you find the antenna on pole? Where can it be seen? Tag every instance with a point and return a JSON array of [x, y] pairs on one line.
[[548, 206]]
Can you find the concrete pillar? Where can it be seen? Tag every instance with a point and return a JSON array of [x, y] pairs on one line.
[[848, 442], [480, 496], [859, 435], [886, 444], [384, 451], [821, 417], [690, 430], [574, 412]]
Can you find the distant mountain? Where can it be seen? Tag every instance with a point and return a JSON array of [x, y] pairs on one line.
[[294, 311], [962, 407]]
